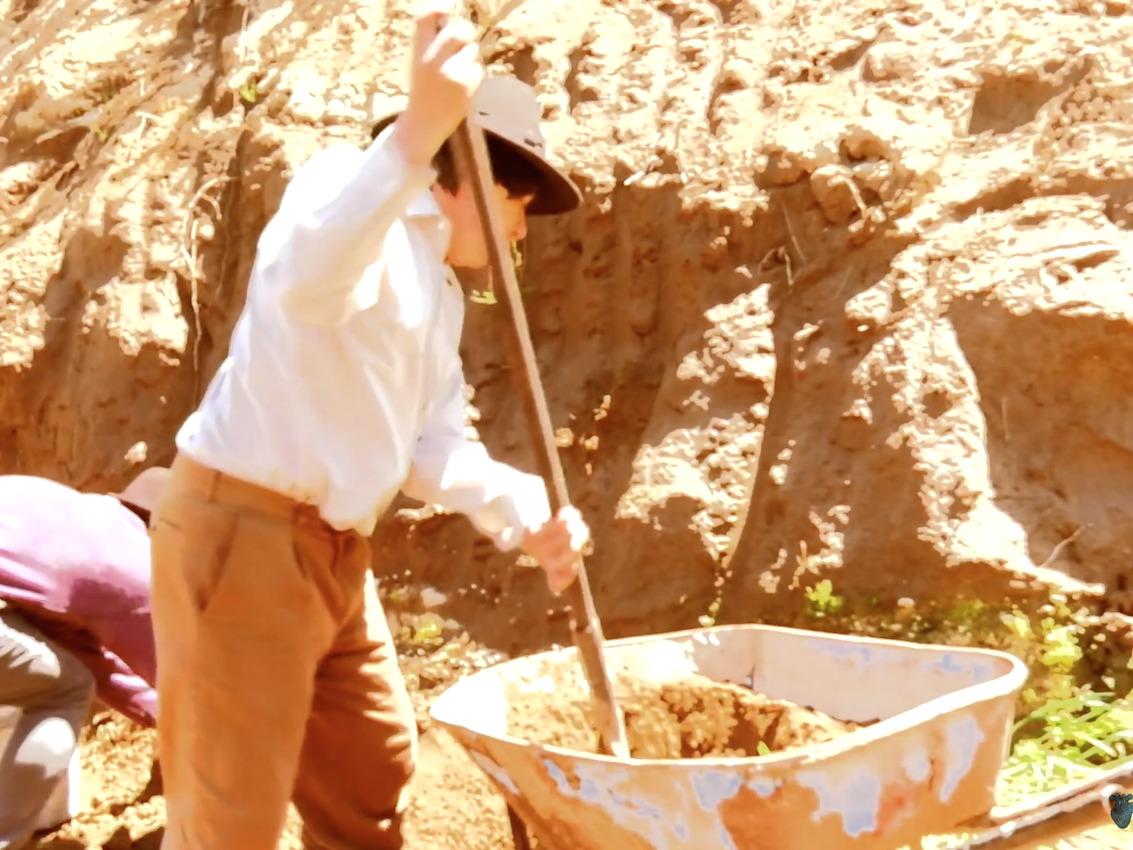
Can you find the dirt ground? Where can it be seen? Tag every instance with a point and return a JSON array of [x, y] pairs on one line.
[[453, 806]]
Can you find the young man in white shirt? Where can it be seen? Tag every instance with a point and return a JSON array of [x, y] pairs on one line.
[[277, 676]]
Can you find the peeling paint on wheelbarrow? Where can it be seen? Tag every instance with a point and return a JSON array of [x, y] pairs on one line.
[[929, 763]]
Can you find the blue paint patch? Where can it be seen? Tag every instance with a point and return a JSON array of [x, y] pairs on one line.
[[588, 791], [681, 829], [763, 786], [855, 798], [963, 736], [715, 787], [858, 820], [638, 807], [862, 818], [983, 672], [863, 656], [560, 780], [949, 664], [495, 771], [726, 838]]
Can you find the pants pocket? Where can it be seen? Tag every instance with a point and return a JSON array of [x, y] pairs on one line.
[[191, 542]]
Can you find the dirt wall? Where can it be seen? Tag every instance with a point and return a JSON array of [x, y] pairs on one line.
[[860, 267]]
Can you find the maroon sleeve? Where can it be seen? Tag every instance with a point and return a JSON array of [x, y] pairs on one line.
[[119, 687]]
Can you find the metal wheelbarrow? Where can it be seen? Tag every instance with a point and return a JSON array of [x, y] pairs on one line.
[[939, 729]]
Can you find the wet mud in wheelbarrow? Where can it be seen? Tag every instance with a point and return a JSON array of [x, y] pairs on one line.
[[687, 717], [858, 742]]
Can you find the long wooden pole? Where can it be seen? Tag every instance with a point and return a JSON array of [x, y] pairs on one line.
[[471, 153]]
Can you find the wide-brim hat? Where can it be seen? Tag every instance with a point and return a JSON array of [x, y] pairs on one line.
[[144, 491], [507, 109]]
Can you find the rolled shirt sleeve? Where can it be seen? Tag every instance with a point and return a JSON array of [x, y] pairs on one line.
[[117, 684], [123, 690], [451, 470], [321, 251]]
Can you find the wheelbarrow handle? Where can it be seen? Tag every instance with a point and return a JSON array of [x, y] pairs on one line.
[[1002, 823], [471, 155]]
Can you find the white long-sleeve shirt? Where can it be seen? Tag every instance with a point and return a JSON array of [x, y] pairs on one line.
[[343, 382]]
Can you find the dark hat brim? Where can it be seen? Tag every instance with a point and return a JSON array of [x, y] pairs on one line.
[[557, 193]]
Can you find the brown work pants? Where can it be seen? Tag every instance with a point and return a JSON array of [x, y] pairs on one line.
[[277, 677]]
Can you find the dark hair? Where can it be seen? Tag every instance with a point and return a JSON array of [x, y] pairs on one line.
[[511, 170]]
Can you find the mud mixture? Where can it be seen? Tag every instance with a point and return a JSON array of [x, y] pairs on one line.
[[690, 717]]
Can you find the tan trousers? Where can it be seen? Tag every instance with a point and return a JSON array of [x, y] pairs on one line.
[[277, 676], [50, 692]]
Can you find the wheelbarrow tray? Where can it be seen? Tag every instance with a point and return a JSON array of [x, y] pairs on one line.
[[940, 727]]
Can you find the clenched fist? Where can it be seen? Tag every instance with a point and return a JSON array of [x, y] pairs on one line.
[[446, 71], [557, 546]]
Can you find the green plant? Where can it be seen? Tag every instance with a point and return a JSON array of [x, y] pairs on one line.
[[1065, 740], [249, 92], [1060, 647], [423, 631], [1052, 650], [400, 596], [821, 600], [966, 611], [1071, 724]]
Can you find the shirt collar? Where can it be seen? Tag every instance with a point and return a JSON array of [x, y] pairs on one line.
[[424, 214], [423, 205]]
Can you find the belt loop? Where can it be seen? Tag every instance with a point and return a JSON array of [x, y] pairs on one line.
[[339, 547]]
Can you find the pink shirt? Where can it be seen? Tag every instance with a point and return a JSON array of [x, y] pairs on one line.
[[77, 566]]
